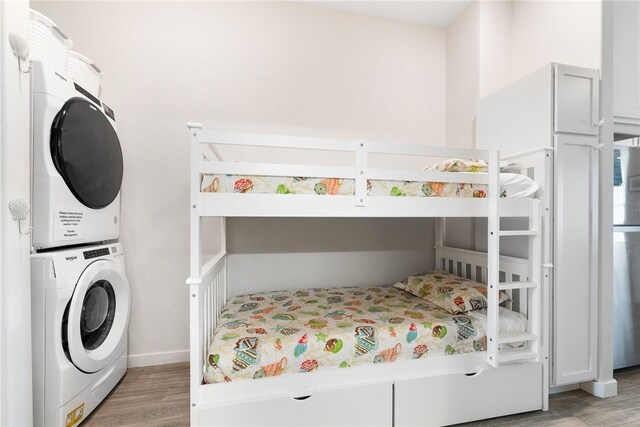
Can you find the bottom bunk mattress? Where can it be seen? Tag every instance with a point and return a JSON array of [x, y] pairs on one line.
[[286, 332]]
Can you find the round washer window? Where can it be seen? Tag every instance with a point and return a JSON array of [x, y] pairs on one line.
[[98, 311], [86, 152]]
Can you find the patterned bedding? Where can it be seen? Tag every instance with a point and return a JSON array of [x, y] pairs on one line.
[[511, 185], [287, 332]]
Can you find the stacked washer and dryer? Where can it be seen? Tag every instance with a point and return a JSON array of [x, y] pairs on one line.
[[80, 293]]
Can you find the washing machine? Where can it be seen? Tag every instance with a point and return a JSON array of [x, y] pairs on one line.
[[77, 163], [80, 313]]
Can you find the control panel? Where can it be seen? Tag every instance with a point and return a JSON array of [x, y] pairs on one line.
[[96, 253]]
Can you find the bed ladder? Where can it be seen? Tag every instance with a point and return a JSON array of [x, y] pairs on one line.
[[530, 287]]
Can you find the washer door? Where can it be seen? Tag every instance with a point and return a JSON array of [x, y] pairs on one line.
[[85, 150], [98, 316]]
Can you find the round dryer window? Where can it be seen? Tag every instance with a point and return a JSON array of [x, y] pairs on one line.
[[95, 324], [86, 151]]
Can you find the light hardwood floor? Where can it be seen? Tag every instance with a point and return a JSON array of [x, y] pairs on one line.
[[159, 396], [149, 396]]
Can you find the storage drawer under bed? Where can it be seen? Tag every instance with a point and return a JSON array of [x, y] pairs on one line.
[[365, 405], [458, 398]]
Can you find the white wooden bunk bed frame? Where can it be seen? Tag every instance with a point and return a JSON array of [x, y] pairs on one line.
[[492, 383]]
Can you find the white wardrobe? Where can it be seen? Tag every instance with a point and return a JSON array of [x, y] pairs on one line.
[[558, 107]]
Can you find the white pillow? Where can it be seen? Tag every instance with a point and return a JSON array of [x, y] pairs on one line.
[[516, 185], [511, 322]]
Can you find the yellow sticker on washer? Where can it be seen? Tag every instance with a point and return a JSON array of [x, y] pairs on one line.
[[75, 416]]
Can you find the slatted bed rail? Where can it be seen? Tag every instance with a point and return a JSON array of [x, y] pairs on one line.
[[473, 265], [358, 204], [208, 294]]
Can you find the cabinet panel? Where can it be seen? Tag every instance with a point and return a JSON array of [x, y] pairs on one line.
[[626, 59], [576, 106], [576, 262]]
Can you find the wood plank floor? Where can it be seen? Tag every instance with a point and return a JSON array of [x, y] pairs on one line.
[[149, 396], [159, 396]]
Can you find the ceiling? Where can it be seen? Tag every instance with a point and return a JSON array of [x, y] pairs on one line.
[[434, 13]]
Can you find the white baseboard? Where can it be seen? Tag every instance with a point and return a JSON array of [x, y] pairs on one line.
[[563, 388], [163, 358], [608, 388]]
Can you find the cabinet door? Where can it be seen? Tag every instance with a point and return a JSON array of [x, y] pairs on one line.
[[576, 108], [626, 59], [575, 259]]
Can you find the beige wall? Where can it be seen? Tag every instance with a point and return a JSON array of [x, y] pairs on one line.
[[281, 67]]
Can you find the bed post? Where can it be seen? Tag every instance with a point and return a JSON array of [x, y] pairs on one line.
[[536, 303], [195, 263], [361, 173], [440, 231], [493, 257], [223, 249], [194, 281], [547, 276]]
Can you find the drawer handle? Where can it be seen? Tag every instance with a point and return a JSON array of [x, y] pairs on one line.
[[473, 374], [304, 393], [302, 397]]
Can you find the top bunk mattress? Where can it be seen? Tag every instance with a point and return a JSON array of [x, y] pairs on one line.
[[511, 185]]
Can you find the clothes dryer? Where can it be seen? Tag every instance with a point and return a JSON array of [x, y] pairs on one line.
[[77, 163], [80, 315]]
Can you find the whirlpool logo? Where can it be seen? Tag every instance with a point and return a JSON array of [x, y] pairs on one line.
[[71, 258]]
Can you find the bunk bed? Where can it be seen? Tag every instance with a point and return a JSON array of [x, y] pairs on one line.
[[492, 372]]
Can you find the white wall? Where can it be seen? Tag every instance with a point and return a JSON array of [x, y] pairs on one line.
[[15, 296], [293, 254], [280, 67], [495, 42], [463, 61], [568, 32]]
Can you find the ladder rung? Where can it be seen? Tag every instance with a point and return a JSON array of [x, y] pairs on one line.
[[516, 354], [505, 286], [508, 233], [510, 338]]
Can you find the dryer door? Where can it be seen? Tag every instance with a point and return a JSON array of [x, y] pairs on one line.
[[98, 315], [86, 152]]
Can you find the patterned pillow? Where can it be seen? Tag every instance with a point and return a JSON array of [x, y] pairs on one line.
[[448, 291], [468, 165]]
